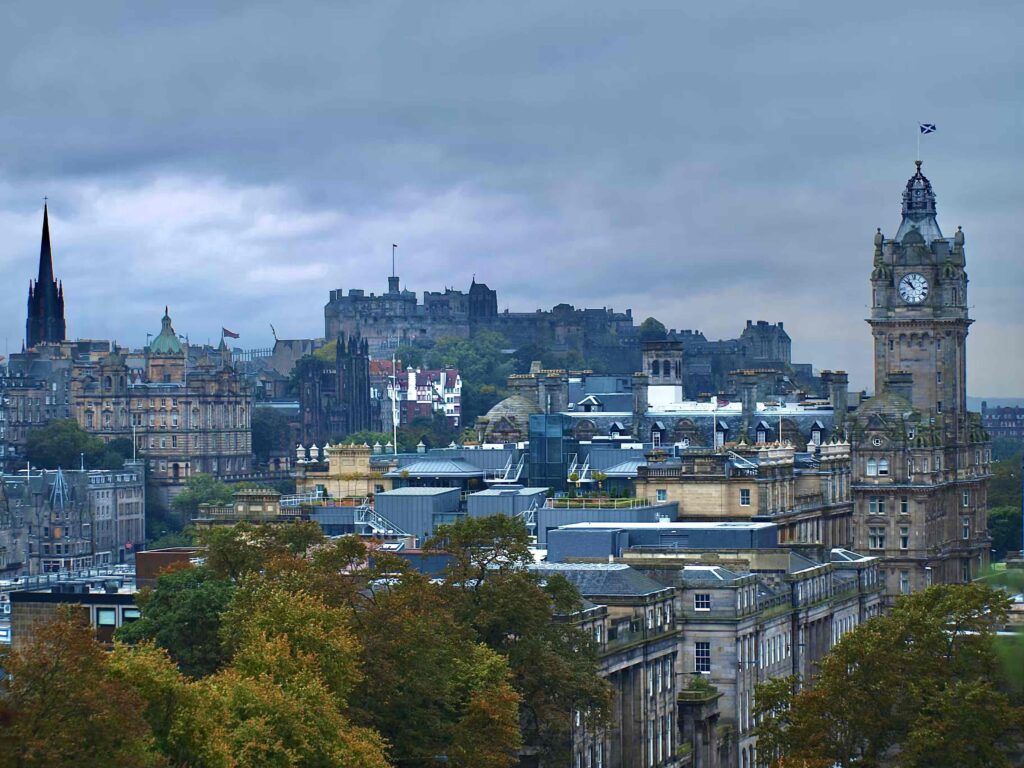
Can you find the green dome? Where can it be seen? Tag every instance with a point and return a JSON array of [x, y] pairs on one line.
[[166, 343]]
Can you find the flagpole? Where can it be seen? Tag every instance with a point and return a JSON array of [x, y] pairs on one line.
[[918, 142]]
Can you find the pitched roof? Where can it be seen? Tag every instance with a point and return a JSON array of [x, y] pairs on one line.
[[595, 580]]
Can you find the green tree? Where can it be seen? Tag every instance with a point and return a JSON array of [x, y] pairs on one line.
[[435, 689], [367, 437], [554, 665], [200, 489], [484, 363], [182, 615], [63, 444], [864, 709], [271, 433], [652, 330], [60, 706]]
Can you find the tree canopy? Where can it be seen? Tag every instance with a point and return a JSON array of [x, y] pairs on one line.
[[652, 330], [271, 433], [59, 704], [918, 687], [63, 444]]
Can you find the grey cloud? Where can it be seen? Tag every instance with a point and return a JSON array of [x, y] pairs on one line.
[[703, 163]]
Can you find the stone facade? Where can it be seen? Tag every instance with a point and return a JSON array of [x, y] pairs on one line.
[[334, 399], [184, 419], [921, 460]]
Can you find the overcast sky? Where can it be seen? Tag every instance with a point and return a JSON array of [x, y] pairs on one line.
[[705, 163]]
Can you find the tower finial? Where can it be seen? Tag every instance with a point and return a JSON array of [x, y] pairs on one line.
[[918, 164]]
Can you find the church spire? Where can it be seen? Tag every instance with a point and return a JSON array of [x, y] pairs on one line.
[[45, 256], [45, 322]]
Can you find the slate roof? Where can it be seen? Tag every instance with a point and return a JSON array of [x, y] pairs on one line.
[[602, 579]]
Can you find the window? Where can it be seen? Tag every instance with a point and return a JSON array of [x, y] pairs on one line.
[[872, 468], [106, 617], [702, 658], [938, 406], [130, 614], [967, 499], [876, 505], [904, 537], [662, 494], [883, 467], [744, 497], [876, 537], [904, 582], [965, 527], [966, 574], [702, 601], [904, 505]]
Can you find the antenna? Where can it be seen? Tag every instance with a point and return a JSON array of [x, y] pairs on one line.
[[394, 247]]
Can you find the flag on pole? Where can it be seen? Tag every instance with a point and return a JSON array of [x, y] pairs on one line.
[[927, 127], [228, 334]]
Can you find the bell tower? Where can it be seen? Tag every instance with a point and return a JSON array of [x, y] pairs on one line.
[[919, 310]]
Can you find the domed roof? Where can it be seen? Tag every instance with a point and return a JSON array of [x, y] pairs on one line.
[[510, 418], [919, 208], [166, 343], [516, 406]]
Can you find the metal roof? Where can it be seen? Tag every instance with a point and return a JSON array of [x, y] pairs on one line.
[[437, 468]]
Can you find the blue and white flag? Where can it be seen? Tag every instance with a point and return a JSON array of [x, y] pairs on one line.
[[927, 127]]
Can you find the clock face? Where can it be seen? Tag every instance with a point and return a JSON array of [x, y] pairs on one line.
[[913, 288]]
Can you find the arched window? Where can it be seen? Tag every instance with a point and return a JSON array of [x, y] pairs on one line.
[[656, 368], [883, 467]]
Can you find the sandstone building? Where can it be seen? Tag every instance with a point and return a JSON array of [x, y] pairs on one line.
[[921, 460]]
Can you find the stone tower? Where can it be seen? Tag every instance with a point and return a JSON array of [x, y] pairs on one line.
[[921, 461], [919, 309], [45, 323], [352, 360]]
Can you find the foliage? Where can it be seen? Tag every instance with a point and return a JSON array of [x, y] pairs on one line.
[[1004, 525], [1004, 502], [435, 689], [62, 707], [183, 615], [200, 489], [271, 433], [1005, 448], [168, 538], [652, 330], [328, 353], [1004, 487], [272, 706], [865, 709], [434, 432], [62, 444], [367, 437], [483, 364], [554, 665]]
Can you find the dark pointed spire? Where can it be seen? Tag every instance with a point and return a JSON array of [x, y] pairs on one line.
[[45, 322], [45, 256]]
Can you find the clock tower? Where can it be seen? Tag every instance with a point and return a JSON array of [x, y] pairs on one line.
[[919, 309], [921, 461]]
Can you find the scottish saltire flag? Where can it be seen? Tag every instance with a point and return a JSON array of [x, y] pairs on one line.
[[927, 127]]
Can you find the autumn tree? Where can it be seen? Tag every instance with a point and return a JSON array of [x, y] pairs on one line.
[[554, 665], [435, 688], [280, 702], [60, 706], [182, 615], [918, 687]]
